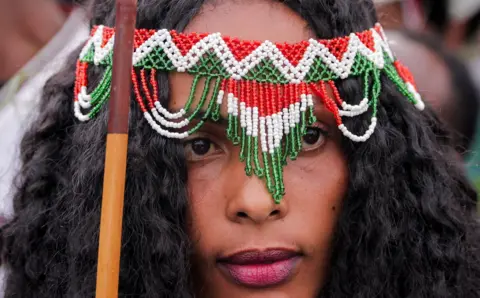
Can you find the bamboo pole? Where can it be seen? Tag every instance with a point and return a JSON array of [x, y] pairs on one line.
[[116, 153]]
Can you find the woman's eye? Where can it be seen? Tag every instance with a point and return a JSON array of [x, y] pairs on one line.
[[199, 148], [314, 138]]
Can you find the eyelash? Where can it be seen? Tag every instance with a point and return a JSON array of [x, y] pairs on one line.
[[201, 136], [323, 135], [323, 131]]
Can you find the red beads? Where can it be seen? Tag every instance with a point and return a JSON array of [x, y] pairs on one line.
[[293, 52], [145, 89], [251, 96], [136, 90], [336, 94], [404, 73], [337, 46], [322, 93], [261, 97], [81, 76], [268, 98], [240, 48], [76, 88], [243, 93], [185, 42], [153, 81], [366, 38], [279, 97], [257, 99], [142, 35]]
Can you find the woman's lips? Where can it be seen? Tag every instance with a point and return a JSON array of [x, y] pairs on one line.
[[256, 268]]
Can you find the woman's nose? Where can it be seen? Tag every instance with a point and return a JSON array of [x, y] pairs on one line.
[[252, 203]]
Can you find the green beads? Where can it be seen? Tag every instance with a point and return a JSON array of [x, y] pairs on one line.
[[267, 165], [101, 94]]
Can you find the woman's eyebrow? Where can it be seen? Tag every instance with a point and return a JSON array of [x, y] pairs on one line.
[[322, 112], [201, 115]]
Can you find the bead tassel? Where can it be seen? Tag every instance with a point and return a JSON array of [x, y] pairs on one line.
[[267, 87]]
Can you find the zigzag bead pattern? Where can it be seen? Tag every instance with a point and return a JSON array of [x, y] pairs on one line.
[[268, 88], [339, 62]]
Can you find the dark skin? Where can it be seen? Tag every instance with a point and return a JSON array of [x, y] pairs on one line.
[[26, 26], [390, 15], [232, 212]]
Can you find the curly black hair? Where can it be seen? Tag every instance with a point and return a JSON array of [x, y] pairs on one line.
[[408, 227]]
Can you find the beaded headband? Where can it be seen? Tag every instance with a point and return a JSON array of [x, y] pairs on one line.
[[268, 87]]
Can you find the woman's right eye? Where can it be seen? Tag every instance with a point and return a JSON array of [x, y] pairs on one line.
[[200, 148]]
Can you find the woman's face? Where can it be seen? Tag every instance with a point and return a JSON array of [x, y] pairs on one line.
[[245, 244]]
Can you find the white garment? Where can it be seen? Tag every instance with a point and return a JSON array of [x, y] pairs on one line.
[[462, 10], [18, 102]]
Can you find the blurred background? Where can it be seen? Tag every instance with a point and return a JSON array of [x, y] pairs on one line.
[[439, 40]]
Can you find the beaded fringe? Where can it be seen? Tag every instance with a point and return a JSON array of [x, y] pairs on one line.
[[266, 120], [268, 93]]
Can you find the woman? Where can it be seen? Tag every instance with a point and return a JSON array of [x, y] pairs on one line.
[[384, 216]]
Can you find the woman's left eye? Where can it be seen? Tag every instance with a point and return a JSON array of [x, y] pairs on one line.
[[314, 138]]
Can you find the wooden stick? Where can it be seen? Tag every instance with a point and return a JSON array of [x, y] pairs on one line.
[[116, 152]]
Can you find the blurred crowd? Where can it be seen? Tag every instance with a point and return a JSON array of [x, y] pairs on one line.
[[439, 40], [37, 37]]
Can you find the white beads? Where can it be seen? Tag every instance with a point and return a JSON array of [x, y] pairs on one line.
[[235, 106], [280, 129], [147, 47], [98, 34], [375, 56], [166, 123], [167, 114], [356, 138], [271, 128], [291, 113], [354, 110], [384, 41], [78, 113], [163, 132], [297, 112], [263, 135], [101, 52], [220, 96], [358, 107], [419, 104], [286, 121], [243, 120], [310, 100], [344, 113], [84, 99], [277, 137], [237, 69], [249, 121], [303, 106], [230, 103], [271, 147], [255, 122]]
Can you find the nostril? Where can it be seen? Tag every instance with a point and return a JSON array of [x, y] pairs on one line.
[[242, 214], [274, 212]]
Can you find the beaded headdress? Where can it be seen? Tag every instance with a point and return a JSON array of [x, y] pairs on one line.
[[268, 87]]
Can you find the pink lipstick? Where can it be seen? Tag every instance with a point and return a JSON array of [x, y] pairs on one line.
[[259, 269]]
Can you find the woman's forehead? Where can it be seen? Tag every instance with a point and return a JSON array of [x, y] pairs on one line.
[[252, 20]]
